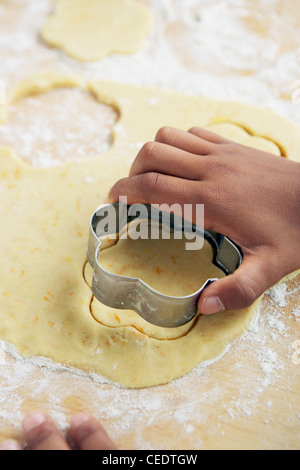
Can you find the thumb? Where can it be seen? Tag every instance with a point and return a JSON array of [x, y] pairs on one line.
[[241, 289]]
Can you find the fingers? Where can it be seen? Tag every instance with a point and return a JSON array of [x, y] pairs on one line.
[[163, 158], [187, 141], [163, 168], [241, 289], [207, 135], [41, 433], [174, 152], [11, 445], [88, 434], [152, 188]]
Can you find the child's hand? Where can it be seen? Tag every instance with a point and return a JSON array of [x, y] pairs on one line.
[[41, 433], [250, 196]]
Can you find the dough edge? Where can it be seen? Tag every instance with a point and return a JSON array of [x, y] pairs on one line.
[[157, 361]]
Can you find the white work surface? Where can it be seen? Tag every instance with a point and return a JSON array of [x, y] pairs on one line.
[[239, 50]]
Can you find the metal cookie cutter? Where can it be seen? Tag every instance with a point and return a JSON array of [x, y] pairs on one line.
[[127, 293]]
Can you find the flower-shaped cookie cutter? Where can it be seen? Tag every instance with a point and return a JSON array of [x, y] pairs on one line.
[[126, 293]]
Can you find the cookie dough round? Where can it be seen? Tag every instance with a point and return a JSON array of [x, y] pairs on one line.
[[46, 304], [89, 30]]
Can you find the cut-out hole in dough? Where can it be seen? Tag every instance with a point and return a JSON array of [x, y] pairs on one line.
[[166, 266], [239, 132], [114, 318], [61, 124]]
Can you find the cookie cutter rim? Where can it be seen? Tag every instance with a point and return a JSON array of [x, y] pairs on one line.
[[128, 293]]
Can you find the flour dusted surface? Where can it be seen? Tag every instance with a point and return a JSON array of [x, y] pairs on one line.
[[123, 411]]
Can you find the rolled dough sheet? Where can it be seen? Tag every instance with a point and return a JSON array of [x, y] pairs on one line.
[[89, 30], [166, 266], [46, 305]]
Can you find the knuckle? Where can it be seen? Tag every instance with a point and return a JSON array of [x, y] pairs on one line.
[[248, 289], [86, 431], [118, 188], [230, 148], [152, 182], [164, 133], [147, 151], [195, 130], [215, 166], [40, 434], [209, 166]]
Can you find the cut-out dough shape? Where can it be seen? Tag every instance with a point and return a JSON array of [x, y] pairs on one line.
[[40, 141], [164, 265], [45, 303], [89, 30]]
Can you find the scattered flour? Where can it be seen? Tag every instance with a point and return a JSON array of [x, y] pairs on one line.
[[278, 294], [296, 313], [133, 412]]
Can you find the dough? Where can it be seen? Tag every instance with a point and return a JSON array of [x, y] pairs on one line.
[[91, 29], [166, 266], [46, 305]]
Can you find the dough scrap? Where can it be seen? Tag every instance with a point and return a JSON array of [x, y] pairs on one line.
[[89, 30], [46, 306]]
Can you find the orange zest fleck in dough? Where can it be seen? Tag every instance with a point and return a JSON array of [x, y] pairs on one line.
[[123, 270]]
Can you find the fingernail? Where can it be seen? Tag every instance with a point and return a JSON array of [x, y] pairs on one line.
[[79, 419], [10, 445], [32, 420], [212, 305]]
